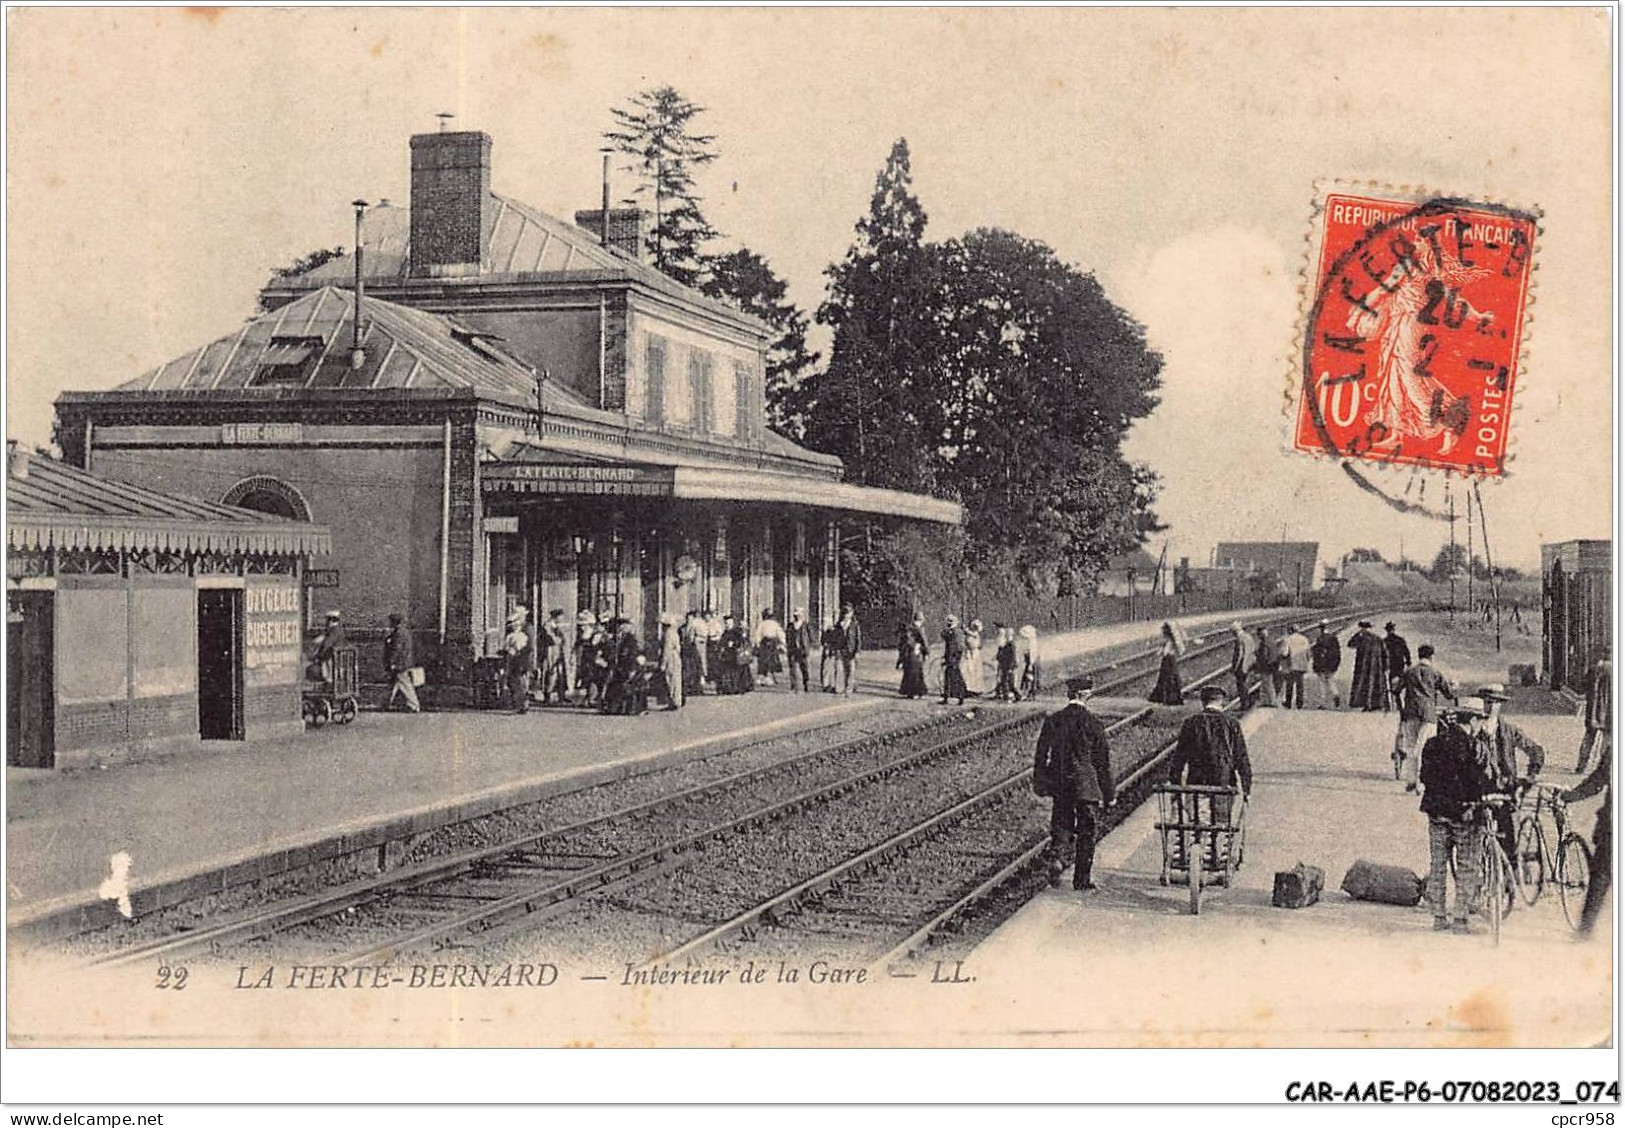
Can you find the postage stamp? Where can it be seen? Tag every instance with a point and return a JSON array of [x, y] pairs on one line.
[[1411, 343]]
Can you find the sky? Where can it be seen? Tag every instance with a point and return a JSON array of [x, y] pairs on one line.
[[161, 162]]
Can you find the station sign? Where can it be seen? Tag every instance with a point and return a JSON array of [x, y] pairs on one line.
[[573, 478], [235, 434], [322, 577]]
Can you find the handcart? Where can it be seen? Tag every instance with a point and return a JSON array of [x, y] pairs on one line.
[[332, 698], [1204, 824]]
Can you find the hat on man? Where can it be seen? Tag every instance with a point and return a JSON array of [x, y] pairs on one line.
[[1468, 707], [1495, 691], [1366, 623], [1212, 693], [395, 619], [332, 614], [1388, 626], [1324, 623], [1080, 684]]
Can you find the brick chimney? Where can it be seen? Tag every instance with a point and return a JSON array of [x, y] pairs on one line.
[[628, 227], [451, 201]]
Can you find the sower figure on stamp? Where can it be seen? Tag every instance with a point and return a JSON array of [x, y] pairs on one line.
[[1073, 766]]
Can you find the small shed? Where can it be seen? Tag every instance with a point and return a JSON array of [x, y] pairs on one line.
[[138, 621], [1577, 610]]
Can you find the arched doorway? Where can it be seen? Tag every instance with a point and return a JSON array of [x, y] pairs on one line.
[[265, 494]]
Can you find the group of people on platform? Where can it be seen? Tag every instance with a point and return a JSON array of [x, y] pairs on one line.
[[597, 660], [1016, 662]]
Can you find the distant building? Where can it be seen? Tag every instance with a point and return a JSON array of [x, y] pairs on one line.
[[1292, 563], [1577, 605], [1133, 573]]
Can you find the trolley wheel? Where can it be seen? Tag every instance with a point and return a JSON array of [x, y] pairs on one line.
[[1573, 876], [347, 711], [1529, 858], [321, 712]]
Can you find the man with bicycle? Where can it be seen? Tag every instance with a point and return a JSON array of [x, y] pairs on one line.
[[1500, 742], [1454, 781]]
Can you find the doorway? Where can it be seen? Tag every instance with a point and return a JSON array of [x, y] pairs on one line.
[[220, 664], [31, 679]]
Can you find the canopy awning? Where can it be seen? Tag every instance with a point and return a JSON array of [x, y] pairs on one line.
[[135, 534], [694, 483]]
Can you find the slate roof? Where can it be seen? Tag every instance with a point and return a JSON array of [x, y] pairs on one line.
[[1280, 557], [520, 242], [54, 505]]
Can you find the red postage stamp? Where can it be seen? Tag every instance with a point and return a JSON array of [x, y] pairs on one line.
[[1410, 351]]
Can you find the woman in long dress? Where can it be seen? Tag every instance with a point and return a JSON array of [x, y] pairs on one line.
[[769, 648], [733, 674], [1031, 667], [1169, 689], [911, 655], [971, 666]]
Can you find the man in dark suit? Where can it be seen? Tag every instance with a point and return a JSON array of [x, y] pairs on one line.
[[1212, 751], [1073, 766]]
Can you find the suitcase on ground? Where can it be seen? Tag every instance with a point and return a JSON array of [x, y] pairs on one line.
[[1388, 885], [1298, 887]]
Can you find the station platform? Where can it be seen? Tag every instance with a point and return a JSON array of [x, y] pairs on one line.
[[1339, 973], [198, 822]]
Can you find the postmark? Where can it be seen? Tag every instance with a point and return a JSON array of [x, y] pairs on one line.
[[1411, 344]]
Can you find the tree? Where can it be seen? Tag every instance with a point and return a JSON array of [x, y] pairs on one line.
[[869, 405], [655, 129], [302, 265], [744, 279], [1365, 556]]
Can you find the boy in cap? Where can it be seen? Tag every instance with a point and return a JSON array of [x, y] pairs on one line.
[[1073, 766], [1453, 781]]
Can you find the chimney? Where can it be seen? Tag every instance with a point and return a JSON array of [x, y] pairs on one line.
[[626, 230], [451, 201]]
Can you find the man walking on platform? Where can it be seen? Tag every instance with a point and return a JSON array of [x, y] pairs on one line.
[[1421, 688], [798, 642], [1073, 766], [1601, 780], [398, 661], [851, 645], [1452, 782], [1296, 667], [1212, 751], [1399, 657], [1241, 647], [1325, 655]]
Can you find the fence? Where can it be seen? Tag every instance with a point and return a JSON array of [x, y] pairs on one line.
[[1059, 613]]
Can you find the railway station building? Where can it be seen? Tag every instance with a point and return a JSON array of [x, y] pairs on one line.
[[138, 621], [1577, 619], [511, 409]]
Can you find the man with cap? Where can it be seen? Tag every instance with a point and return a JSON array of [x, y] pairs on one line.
[[332, 637], [1421, 688], [1453, 781], [798, 643], [1399, 656], [398, 661], [1325, 656], [1241, 646], [1296, 667], [1073, 766], [1369, 689], [1212, 751], [1500, 741], [851, 643], [518, 651]]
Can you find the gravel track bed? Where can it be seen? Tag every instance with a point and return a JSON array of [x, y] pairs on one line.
[[356, 928], [493, 829]]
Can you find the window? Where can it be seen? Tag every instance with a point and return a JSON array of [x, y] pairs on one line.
[[654, 379], [288, 362], [725, 405], [680, 397], [699, 379]]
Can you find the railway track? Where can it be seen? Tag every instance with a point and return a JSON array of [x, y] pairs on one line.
[[500, 891]]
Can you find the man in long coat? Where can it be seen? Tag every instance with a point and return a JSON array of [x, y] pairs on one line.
[[1073, 766], [1399, 657], [1369, 689]]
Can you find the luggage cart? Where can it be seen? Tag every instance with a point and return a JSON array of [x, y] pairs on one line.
[[334, 699], [1205, 824]]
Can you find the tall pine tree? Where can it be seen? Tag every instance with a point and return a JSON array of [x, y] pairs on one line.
[[656, 129], [868, 406]]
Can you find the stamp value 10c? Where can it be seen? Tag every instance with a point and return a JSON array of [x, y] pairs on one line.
[[1410, 352]]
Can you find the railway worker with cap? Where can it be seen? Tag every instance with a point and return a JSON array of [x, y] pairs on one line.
[[1453, 780], [1325, 656], [1212, 751], [518, 656], [1073, 766], [1421, 688], [1369, 689], [398, 661]]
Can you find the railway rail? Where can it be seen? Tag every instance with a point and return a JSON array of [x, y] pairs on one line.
[[507, 888]]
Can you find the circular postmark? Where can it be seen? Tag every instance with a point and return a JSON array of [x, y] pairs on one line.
[[1411, 346]]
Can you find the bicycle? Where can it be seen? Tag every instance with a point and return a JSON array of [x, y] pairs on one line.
[[1570, 865]]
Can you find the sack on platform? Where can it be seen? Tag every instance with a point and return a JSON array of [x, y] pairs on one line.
[[415, 676], [1298, 887], [1389, 885]]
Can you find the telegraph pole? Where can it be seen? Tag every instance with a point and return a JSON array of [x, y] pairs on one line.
[[1452, 568], [1472, 608], [1489, 564]]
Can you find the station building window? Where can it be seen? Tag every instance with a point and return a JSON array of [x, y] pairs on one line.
[[265, 494]]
